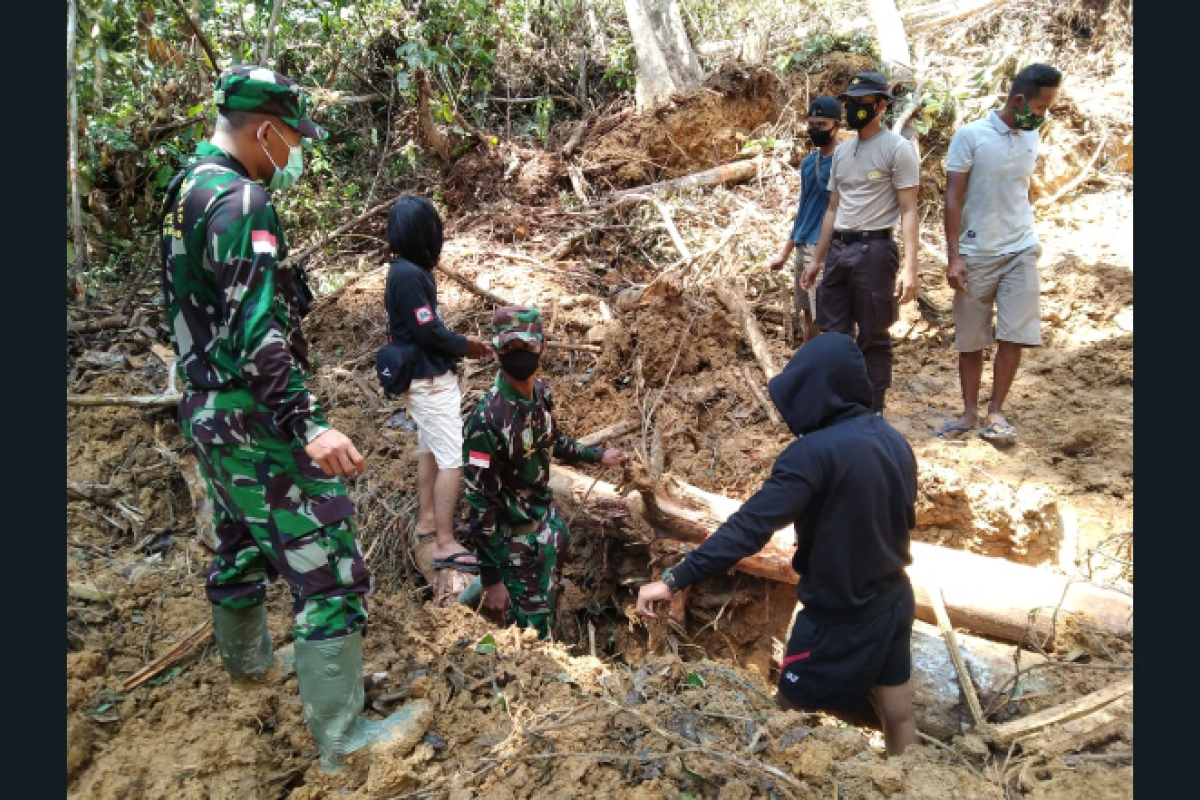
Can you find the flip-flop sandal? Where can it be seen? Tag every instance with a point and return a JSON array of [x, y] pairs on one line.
[[455, 562], [952, 430], [999, 432]]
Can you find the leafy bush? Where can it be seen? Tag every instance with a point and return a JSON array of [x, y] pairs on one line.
[[860, 41]]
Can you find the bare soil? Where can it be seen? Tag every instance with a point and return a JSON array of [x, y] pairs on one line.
[[650, 711]]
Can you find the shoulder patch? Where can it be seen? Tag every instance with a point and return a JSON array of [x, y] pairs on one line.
[[478, 459], [424, 315], [263, 242]]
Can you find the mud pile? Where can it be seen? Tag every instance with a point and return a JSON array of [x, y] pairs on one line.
[[697, 130]]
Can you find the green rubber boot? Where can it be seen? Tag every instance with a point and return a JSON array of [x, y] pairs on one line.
[[331, 691], [470, 596], [243, 642], [245, 647]]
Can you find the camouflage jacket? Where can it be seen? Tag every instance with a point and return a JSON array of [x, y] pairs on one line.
[[234, 320], [507, 443]]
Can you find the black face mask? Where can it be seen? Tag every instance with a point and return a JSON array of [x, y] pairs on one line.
[[820, 138], [520, 364], [859, 115]]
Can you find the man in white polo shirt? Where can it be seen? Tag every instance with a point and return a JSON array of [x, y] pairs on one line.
[[992, 251], [872, 187]]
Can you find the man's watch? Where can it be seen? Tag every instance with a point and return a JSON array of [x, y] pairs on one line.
[[668, 577]]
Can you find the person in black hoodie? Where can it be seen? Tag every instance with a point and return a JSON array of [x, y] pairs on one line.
[[432, 398], [849, 485]]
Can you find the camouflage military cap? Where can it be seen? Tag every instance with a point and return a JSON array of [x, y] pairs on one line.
[[516, 322], [246, 87]]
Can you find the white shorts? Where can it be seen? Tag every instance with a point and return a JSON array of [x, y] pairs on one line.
[[435, 405]]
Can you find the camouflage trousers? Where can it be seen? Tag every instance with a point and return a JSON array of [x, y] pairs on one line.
[[532, 571], [277, 515]]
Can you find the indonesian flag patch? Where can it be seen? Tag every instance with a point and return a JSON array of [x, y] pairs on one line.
[[478, 459], [424, 315], [263, 242]]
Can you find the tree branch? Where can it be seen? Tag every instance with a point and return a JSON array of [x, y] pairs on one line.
[[208, 48]]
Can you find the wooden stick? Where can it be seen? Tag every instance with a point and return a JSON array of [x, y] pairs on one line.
[[194, 637], [308, 251], [763, 400], [964, 677], [473, 287], [554, 344], [94, 325], [143, 401], [1064, 712], [733, 300], [81, 490], [1083, 732], [668, 223], [609, 432]]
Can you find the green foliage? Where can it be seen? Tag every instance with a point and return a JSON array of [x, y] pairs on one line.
[[542, 111], [861, 42], [622, 64]]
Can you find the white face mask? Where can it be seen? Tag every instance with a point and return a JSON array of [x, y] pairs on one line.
[[286, 176]]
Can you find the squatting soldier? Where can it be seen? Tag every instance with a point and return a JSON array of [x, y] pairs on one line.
[[515, 529], [271, 460]]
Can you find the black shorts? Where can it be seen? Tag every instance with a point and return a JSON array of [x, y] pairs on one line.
[[834, 666]]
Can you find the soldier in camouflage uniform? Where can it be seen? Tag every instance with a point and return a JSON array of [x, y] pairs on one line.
[[272, 462], [515, 529]]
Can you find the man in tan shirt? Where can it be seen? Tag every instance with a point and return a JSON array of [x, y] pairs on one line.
[[872, 186]]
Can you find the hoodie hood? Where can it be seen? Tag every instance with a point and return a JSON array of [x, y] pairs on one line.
[[826, 381]]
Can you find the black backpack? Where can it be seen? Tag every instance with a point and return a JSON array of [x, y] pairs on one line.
[[297, 287], [394, 367]]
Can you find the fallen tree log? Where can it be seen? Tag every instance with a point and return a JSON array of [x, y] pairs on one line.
[[988, 596], [938, 700], [611, 432], [1083, 732], [1010, 732], [94, 325], [735, 172], [142, 401], [733, 300]]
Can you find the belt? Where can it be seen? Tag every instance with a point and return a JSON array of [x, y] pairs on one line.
[[526, 529], [862, 236]]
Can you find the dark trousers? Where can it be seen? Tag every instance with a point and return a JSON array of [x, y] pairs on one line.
[[857, 296]]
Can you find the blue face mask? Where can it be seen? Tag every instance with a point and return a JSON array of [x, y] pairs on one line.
[[286, 176]]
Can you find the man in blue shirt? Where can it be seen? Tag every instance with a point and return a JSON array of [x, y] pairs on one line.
[[824, 119]]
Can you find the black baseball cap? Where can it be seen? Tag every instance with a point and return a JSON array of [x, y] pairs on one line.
[[825, 106], [865, 83]]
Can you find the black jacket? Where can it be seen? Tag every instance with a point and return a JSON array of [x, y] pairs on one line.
[[414, 319], [848, 484]]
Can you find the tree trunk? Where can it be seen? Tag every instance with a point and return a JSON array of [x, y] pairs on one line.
[[666, 62], [270, 42], [79, 237], [989, 596], [432, 135], [894, 54]]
